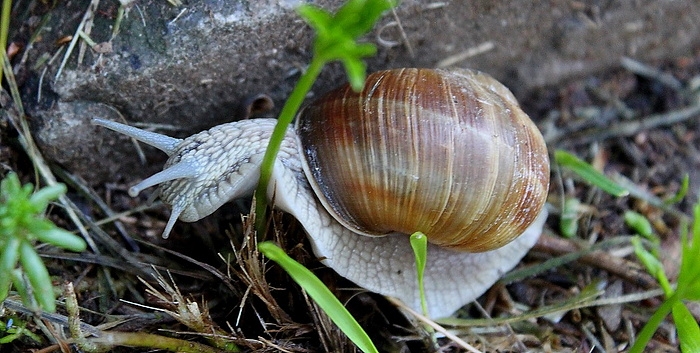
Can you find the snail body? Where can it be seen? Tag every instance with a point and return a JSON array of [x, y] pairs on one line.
[[448, 153]]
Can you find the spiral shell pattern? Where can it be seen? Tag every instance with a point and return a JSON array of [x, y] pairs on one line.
[[447, 153]]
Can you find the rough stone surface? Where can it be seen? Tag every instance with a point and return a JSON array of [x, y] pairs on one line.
[[191, 67]]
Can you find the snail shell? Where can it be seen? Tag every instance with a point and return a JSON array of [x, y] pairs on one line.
[[447, 153]]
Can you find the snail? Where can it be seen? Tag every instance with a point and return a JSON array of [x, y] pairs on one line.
[[447, 153]]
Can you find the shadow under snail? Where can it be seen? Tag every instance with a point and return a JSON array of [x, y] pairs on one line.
[[448, 153]]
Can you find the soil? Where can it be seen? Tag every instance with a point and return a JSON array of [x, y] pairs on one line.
[[638, 123]]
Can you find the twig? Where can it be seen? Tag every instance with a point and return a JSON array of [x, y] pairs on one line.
[[152, 342], [209, 268], [651, 73], [627, 270], [473, 51], [87, 30], [403, 33], [434, 325], [88, 14], [74, 319], [17, 306], [80, 185], [625, 128]]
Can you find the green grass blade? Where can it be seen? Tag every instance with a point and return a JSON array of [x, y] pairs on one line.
[[687, 327], [680, 195], [654, 322], [588, 173], [568, 224], [689, 274], [653, 265], [321, 295]]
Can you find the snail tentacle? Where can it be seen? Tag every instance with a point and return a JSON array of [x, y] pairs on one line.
[[164, 143], [184, 169], [174, 215]]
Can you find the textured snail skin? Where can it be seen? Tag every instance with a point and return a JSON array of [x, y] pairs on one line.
[[208, 169]]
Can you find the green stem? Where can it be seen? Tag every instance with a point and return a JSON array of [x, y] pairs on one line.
[[5, 27], [654, 322], [150, 341], [289, 110]]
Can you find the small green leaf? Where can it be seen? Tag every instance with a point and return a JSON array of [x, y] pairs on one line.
[[685, 183], [318, 18], [653, 265], [62, 238], [356, 73], [42, 197], [10, 185], [588, 173], [320, 294], [689, 274], [568, 224], [8, 262], [336, 34], [644, 336], [18, 283], [640, 224], [419, 243], [38, 277], [687, 327], [358, 17]]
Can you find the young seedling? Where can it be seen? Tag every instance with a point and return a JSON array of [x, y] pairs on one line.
[[336, 40], [22, 223]]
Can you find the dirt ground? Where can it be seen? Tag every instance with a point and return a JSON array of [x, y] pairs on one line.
[[637, 122]]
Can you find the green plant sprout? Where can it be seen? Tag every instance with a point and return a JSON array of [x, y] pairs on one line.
[[336, 40], [687, 288], [682, 191], [419, 243], [641, 225], [568, 224], [22, 223], [321, 295]]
